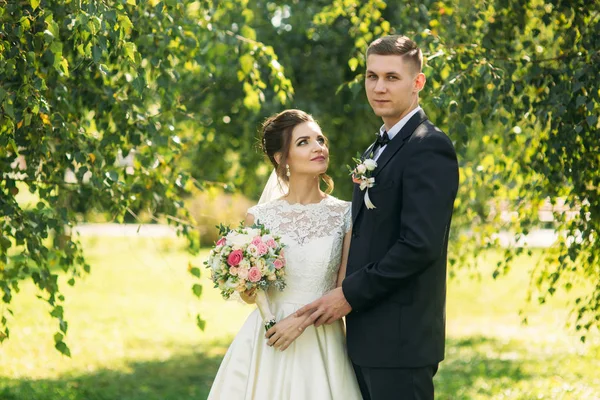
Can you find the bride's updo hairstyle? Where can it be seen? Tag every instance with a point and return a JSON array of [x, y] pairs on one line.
[[277, 137]]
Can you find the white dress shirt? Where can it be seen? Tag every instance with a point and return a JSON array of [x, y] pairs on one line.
[[395, 130]]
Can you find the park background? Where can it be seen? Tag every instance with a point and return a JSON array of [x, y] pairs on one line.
[[129, 129]]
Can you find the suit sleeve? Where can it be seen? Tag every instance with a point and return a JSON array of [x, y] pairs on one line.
[[429, 187]]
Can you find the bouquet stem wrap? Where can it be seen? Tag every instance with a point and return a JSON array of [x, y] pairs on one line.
[[265, 311]]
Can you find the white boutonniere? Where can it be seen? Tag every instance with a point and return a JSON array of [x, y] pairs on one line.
[[361, 175]]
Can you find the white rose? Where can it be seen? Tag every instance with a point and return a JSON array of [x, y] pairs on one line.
[[252, 232], [238, 240], [361, 169], [252, 250], [230, 284], [244, 264], [261, 265], [215, 264], [370, 164]]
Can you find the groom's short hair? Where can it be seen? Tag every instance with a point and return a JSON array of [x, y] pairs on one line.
[[398, 45]]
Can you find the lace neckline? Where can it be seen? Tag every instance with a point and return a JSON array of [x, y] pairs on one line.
[[304, 222], [300, 205]]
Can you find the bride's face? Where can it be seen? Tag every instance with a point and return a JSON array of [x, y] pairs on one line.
[[308, 153]]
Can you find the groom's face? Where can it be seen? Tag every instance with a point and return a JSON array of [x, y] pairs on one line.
[[392, 87]]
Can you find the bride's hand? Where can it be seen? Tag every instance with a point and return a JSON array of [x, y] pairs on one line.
[[285, 331], [249, 296]]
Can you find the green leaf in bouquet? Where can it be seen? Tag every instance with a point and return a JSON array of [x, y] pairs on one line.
[[223, 229], [258, 225]]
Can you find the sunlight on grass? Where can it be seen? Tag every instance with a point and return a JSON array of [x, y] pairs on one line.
[[132, 335], [136, 306], [490, 354]]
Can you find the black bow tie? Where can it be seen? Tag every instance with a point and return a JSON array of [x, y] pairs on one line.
[[382, 140]]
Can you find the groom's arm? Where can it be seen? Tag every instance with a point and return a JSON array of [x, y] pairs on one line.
[[344, 261], [430, 184]]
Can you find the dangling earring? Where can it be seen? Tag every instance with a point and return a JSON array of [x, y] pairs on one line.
[[287, 170]]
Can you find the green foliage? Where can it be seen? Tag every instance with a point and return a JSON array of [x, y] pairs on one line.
[[86, 84], [181, 87], [515, 86]]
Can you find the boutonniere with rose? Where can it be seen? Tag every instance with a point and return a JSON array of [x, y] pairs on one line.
[[362, 176]]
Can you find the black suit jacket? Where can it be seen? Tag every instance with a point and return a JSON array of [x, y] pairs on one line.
[[396, 274]]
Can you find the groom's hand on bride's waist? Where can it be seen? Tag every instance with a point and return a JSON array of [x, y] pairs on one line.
[[326, 310]]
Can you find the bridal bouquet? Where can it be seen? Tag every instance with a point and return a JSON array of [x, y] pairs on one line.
[[248, 259]]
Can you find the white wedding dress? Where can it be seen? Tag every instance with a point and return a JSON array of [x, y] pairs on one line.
[[316, 365]]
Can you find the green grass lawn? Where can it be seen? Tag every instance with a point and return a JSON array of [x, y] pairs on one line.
[[133, 336]]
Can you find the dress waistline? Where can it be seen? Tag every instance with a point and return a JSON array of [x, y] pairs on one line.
[[295, 297]]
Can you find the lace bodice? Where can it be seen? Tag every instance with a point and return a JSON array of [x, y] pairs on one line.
[[313, 235]]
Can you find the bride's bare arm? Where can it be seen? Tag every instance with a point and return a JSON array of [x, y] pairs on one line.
[[345, 250], [249, 221]]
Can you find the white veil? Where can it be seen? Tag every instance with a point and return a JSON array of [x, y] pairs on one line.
[[274, 189]]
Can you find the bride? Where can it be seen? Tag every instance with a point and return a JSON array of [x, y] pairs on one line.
[[315, 227]]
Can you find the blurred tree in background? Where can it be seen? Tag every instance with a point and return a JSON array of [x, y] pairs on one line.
[[514, 86], [183, 86], [85, 84]]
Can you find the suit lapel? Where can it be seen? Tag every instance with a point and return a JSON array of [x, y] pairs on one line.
[[391, 149], [359, 195], [357, 199], [396, 144]]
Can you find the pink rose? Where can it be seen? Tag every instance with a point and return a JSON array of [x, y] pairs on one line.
[[254, 274], [221, 242], [256, 241], [235, 257], [278, 264], [272, 243], [262, 249]]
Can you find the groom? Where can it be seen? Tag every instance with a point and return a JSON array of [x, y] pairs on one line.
[[394, 294]]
